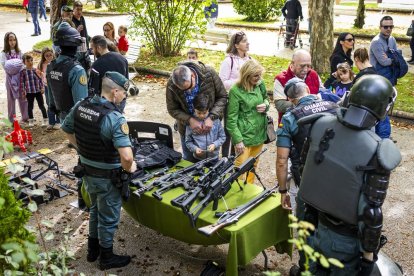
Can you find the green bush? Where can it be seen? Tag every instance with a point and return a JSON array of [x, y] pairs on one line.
[[258, 10]]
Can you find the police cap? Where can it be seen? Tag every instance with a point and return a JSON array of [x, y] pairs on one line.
[[117, 78]]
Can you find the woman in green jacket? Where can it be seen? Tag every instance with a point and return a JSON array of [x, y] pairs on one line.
[[246, 113]]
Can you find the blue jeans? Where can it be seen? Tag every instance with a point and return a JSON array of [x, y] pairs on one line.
[[187, 154], [42, 10], [53, 117], [333, 245], [36, 23], [105, 209]]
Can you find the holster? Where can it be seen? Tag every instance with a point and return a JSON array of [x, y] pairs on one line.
[[121, 180]]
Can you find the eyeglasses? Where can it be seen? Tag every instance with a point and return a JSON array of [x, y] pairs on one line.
[[388, 27], [302, 66], [349, 39]]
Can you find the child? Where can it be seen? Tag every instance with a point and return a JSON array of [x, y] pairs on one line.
[[31, 86], [344, 76], [192, 55], [11, 61], [123, 44], [46, 59], [204, 145]]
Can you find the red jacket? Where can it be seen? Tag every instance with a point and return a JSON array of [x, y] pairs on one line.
[[25, 3], [312, 80]]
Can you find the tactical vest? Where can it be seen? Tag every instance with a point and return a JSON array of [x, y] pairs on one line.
[[300, 111], [87, 123], [58, 78], [331, 182]]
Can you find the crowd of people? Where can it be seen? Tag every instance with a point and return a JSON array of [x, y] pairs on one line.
[[226, 110]]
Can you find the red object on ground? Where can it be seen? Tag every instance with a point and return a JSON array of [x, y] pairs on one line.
[[19, 136]]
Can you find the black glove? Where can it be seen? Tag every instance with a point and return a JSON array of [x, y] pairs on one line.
[[365, 267]]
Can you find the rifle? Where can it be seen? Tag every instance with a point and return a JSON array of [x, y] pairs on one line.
[[186, 200], [139, 181], [220, 187], [170, 177], [186, 181], [232, 216]]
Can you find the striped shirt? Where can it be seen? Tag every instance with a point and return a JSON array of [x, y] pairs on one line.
[[30, 82]]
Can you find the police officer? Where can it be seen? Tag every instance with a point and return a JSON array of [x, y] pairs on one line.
[[66, 78], [346, 176], [290, 140], [100, 133]]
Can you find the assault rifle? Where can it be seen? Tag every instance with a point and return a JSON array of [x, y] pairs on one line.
[[170, 177], [186, 200], [232, 216], [219, 187]]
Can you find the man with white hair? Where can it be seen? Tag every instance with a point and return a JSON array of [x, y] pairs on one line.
[[99, 131], [187, 81], [300, 67]]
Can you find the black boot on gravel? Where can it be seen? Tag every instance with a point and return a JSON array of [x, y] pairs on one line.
[[93, 249], [110, 260]]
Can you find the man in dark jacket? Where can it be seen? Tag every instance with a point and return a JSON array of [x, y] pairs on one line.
[[292, 11], [187, 81]]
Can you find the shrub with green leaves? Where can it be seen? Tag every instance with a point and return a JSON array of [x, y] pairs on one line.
[[258, 10]]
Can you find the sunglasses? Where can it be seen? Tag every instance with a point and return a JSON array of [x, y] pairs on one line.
[[349, 39], [388, 27]]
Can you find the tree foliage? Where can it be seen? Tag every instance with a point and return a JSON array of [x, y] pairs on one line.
[[360, 18], [258, 10], [165, 25]]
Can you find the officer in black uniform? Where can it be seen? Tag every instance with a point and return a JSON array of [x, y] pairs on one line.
[[100, 132], [66, 78], [290, 140], [346, 176]]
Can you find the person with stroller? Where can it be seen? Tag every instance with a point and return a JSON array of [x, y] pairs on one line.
[[292, 11]]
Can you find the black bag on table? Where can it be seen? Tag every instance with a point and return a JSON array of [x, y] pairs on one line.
[[154, 154]]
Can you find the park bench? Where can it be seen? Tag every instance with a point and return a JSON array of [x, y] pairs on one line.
[[345, 10], [401, 5], [132, 56], [215, 35]]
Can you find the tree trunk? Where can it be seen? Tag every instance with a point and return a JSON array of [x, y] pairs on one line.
[[360, 19], [321, 19], [55, 6], [98, 4]]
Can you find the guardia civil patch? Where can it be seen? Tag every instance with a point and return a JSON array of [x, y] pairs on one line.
[[83, 80], [125, 128]]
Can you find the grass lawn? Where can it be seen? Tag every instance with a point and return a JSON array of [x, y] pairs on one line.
[[355, 4], [272, 65], [13, 2]]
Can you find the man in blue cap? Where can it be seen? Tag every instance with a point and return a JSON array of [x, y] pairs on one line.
[[100, 133]]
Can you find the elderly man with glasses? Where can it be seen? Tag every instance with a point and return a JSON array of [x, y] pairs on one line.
[[187, 81], [300, 67]]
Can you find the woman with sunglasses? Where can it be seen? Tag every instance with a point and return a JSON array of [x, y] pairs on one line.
[[236, 56], [341, 53], [109, 32]]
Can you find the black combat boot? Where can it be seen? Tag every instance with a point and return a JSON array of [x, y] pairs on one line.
[[110, 260], [93, 249]]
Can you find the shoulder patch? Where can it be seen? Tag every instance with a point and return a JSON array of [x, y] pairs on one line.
[[125, 128], [83, 80]]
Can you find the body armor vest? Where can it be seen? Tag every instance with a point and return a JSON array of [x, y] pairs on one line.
[[87, 123], [331, 182], [300, 111], [58, 78]]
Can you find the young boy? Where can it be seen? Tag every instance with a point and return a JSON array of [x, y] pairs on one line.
[[123, 44], [204, 145], [192, 55], [31, 87]]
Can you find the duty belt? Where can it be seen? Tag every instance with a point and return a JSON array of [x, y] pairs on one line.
[[338, 226], [100, 173]]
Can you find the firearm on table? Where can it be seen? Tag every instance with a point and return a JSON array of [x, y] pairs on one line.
[[166, 178], [219, 187], [232, 216]]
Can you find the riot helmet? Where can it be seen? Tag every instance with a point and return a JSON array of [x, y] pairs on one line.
[[369, 101], [67, 36], [373, 93]]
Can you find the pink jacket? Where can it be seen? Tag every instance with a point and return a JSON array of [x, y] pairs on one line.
[[229, 74]]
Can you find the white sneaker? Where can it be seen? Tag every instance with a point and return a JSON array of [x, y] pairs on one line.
[[56, 126], [49, 127], [45, 122], [31, 122]]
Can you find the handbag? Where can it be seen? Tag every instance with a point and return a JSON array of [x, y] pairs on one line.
[[270, 130], [410, 31]]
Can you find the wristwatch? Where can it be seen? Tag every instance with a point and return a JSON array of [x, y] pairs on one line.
[[283, 191]]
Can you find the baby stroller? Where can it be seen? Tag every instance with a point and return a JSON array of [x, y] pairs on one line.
[[290, 33]]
